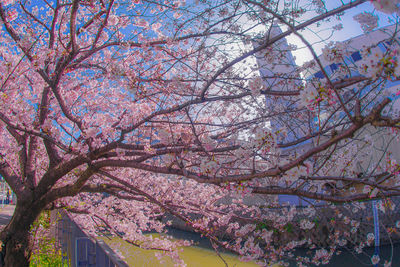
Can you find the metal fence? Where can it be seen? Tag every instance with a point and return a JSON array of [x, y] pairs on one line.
[[81, 250]]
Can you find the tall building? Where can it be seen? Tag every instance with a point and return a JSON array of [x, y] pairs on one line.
[[277, 67], [277, 59]]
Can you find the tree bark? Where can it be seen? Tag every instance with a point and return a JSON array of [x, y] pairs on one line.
[[16, 237]]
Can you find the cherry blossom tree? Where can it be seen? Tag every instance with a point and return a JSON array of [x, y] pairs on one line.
[[121, 112]]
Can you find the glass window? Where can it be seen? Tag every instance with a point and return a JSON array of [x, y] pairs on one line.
[[334, 67], [356, 56], [319, 75]]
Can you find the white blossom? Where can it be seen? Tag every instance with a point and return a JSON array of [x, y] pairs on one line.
[[256, 85], [334, 52], [370, 238], [208, 166], [308, 94], [323, 255], [366, 189], [367, 21], [306, 224], [375, 259], [387, 6]]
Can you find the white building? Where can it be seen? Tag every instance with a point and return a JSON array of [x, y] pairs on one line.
[[379, 40]]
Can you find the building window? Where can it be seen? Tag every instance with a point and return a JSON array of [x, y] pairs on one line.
[[356, 56], [334, 67], [319, 75], [387, 44]]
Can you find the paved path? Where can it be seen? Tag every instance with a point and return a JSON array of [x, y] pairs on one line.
[[5, 215]]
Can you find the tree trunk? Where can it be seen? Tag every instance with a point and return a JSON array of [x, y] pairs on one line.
[[17, 240]]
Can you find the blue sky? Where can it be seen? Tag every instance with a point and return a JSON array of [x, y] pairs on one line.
[[351, 28]]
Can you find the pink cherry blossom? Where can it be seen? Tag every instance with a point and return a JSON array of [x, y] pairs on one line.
[[134, 117]]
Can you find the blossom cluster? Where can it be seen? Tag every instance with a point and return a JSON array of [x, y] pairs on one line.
[[387, 6], [256, 85], [377, 64], [209, 166], [334, 52], [316, 92], [322, 255], [306, 224], [367, 20]]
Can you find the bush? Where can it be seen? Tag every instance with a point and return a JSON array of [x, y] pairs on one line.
[[46, 251]]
